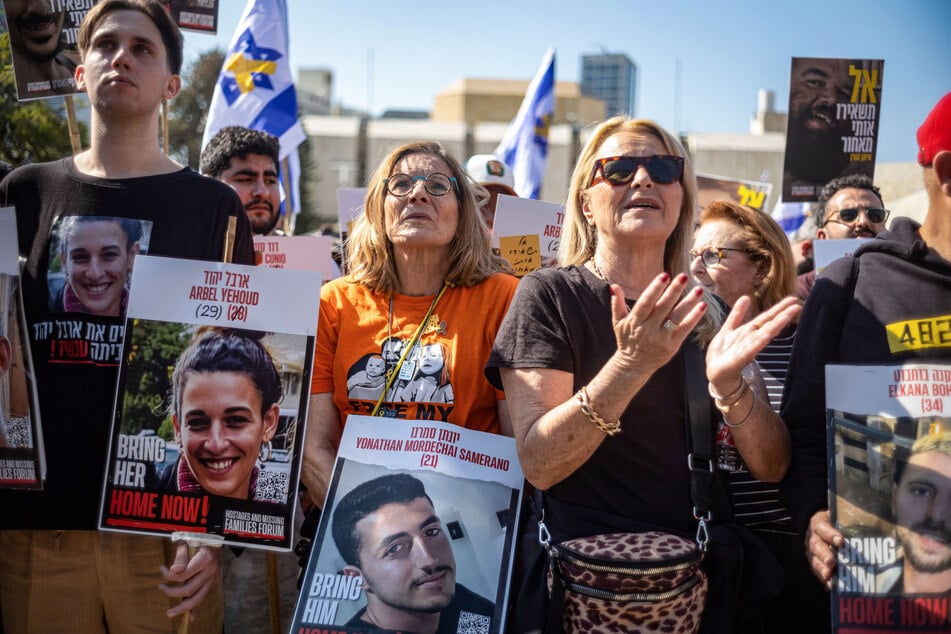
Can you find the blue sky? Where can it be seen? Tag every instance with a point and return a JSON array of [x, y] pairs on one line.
[[726, 52]]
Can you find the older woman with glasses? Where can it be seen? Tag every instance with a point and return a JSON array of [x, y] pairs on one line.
[[593, 351], [423, 283], [741, 252]]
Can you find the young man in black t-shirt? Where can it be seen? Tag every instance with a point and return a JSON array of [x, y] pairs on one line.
[[57, 573]]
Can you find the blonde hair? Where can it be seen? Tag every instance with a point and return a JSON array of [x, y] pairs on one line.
[[580, 239], [765, 242], [370, 252]]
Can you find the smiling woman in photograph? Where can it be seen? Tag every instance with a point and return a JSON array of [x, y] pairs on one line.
[[226, 391], [97, 254]]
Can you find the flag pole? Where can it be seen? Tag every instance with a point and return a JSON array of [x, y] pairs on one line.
[[288, 206], [74, 139]]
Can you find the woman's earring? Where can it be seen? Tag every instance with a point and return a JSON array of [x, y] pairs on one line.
[[267, 451]]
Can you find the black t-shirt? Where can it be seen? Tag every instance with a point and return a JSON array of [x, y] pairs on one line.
[[467, 613], [76, 353], [561, 319]]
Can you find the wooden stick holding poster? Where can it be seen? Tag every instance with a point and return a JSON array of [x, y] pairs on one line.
[[22, 458], [230, 349], [889, 441], [407, 489]]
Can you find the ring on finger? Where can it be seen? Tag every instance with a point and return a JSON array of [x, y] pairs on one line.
[[669, 326]]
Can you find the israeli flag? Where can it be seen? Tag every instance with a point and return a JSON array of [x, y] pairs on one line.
[[792, 218], [255, 88], [524, 147]]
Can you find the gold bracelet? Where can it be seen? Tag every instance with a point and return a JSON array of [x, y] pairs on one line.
[[734, 397], [745, 418], [725, 407], [608, 428]]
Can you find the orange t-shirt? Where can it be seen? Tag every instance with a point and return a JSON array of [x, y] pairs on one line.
[[358, 340]]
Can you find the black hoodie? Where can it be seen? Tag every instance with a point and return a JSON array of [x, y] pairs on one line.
[[889, 304]]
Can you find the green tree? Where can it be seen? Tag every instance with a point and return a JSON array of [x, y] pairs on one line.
[[32, 131], [188, 112], [156, 345]]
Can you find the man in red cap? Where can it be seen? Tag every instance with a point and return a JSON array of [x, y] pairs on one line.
[[889, 304]]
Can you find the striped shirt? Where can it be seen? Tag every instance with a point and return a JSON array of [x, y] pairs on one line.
[[757, 504]]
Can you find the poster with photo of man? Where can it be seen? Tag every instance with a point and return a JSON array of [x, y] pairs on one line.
[[212, 396], [417, 533], [43, 35], [890, 496], [832, 125], [22, 459]]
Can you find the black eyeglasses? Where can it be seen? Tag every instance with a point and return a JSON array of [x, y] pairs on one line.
[[875, 215], [402, 184], [620, 170], [711, 256]]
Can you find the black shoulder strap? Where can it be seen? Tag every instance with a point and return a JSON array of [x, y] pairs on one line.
[[699, 430]]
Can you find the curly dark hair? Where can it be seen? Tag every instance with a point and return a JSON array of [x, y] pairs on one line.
[[235, 140], [855, 181]]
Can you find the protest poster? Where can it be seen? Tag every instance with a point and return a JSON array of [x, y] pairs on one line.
[[350, 204], [745, 192], [43, 38], [889, 440], [419, 514], [527, 232], [208, 422], [195, 15], [832, 125], [301, 253], [22, 459], [824, 252]]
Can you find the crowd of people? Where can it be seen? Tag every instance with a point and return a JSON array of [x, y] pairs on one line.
[[584, 363]]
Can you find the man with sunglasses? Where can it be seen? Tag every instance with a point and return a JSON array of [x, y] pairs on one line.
[[849, 207], [889, 304]]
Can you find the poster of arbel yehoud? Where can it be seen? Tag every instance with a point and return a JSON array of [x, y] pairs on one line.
[[890, 496], [832, 124], [43, 36], [208, 423], [22, 459], [418, 531]]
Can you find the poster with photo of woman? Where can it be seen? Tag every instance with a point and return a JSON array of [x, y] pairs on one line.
[[211, 401], [22, 460]]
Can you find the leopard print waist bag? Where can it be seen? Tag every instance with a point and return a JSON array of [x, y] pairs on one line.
[[627, 582]]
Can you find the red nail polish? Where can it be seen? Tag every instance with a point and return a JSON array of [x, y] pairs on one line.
[[611, 290], [698, 291], [682, 278], [665, 277]]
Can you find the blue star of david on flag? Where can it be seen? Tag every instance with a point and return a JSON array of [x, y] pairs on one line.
[[250, 65]]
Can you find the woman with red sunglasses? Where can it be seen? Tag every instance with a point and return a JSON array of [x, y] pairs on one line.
[[592, 352]]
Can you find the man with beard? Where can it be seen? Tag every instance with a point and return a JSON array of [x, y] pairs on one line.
[[37, 43], [921, 504], [814, 134], [849, 207], [388, 534], [247, 160]]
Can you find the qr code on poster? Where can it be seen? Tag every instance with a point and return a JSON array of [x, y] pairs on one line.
[[272, 485], [470, 623]]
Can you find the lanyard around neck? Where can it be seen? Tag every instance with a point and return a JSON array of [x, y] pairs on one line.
[[391, 376]]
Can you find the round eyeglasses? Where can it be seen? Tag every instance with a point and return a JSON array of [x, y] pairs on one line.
[[402, 184], [711, 256]]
